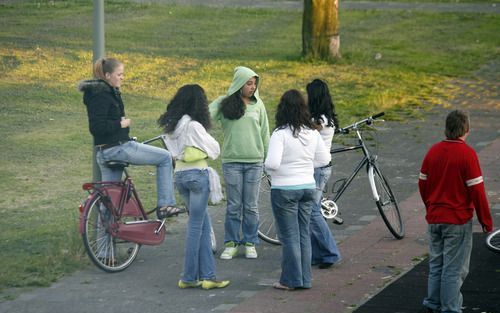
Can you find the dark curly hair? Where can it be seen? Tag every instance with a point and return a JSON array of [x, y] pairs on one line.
[[320, 103], [292, 112], [232, 107], [190, 100]]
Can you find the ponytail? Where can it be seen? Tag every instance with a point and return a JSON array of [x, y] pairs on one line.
[[103, 66]]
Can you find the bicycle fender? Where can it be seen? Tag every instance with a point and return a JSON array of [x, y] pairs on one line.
[[371, 179], [84, 212]]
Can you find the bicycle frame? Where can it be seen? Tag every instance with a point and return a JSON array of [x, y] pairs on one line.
[[365, 161], [141, 230]]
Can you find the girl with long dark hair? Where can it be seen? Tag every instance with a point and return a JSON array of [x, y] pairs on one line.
[[325, 252], [295, 148], [185, 124]]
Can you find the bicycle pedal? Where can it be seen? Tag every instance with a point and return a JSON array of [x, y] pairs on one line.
[[338, 220]]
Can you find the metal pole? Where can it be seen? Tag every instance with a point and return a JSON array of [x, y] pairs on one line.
[[98, 39]]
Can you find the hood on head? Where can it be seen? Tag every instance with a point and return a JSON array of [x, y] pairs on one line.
[[241, 75]]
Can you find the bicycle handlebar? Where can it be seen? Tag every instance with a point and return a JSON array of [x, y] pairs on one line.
[[153, 139], [367, 121]]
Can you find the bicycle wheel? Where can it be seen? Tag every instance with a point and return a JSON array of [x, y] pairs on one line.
[[493, 241], [267, 228], [387, 204], [109, 253]]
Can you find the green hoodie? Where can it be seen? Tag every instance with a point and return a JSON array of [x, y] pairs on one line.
[[245, 139]]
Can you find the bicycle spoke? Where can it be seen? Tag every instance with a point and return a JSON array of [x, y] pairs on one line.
[[107, 252]]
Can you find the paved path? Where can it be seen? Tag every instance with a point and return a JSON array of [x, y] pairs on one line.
[[372, 258]]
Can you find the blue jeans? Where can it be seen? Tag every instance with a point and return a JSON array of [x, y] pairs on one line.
[[199, 262], [292, 211], [450, 248], [242, 192], [140, 154], [323, 245]]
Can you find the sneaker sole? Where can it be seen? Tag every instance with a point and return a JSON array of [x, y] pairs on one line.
[[228, 257]]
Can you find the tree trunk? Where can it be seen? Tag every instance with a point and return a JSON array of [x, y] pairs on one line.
[[320, 36]]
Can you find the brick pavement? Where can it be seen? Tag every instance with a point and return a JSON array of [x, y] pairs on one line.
[[371, 258]]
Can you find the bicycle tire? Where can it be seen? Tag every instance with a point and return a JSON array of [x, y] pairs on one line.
[[213, 240], [267, 228], [387, 204], [108, 253], [493, 241]]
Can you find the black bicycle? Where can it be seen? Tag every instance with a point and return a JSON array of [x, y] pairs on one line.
[[383, 196]]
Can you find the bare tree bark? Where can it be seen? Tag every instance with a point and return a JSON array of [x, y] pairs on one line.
[[320, 25]]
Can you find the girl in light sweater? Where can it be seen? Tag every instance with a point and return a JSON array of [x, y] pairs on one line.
[[185, 123], [295, 148], [244, 122]]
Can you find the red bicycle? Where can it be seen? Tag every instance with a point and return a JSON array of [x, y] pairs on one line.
[[114, 223]]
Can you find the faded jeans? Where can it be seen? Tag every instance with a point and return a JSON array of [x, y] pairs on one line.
[[292, 212], [242, 192], [323, 245], [140, 154], [199, 262], [450, 248]]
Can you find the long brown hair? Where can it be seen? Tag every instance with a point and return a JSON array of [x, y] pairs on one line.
[[292, 112]]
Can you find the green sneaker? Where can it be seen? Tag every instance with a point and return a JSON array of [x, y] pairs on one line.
[[250, 252], [230, 251], [192, 284]]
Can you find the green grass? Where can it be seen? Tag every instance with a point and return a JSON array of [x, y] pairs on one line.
[[45, 49]]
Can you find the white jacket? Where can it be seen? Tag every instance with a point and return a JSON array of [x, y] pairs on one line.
[[291, 160], [189, 133]]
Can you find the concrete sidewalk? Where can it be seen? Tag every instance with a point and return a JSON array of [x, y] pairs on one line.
[[372, 259]]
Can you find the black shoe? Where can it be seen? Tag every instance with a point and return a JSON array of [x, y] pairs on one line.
[[168, 211], [325, 265]]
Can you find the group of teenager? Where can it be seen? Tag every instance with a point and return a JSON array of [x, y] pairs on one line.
[[297, 157]]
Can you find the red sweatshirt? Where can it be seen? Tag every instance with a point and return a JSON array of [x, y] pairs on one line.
[[451, 185]]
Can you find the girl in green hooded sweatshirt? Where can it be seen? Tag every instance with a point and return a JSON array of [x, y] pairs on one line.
[[244, 121]]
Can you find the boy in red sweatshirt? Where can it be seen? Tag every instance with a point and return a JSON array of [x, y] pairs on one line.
[[451, 186]]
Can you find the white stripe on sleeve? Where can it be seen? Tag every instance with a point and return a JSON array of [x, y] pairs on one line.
[[474, 181]]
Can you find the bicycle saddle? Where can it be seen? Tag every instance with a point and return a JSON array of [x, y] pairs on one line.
[[116, 164]]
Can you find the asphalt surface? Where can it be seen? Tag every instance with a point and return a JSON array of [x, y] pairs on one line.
[[372, 259], [150, 284]]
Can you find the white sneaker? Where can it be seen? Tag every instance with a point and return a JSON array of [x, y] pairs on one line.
[[250, 252], [230, 251]]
